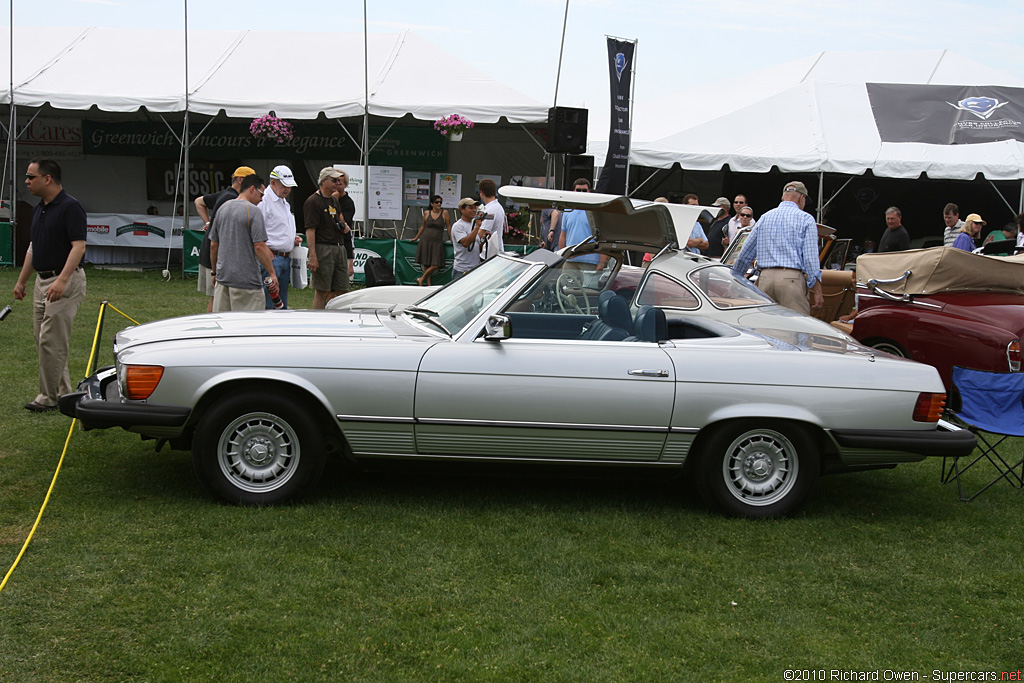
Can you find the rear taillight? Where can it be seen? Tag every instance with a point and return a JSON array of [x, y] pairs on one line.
[[141, 380], [929, 407], [1013, 355]]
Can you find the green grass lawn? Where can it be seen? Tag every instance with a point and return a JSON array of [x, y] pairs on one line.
[[134, 574]]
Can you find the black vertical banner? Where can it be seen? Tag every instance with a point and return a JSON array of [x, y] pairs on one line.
[[620, 74]]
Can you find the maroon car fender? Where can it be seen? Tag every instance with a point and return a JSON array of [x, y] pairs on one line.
[[935, 337]]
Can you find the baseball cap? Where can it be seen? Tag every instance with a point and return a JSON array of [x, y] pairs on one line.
[[974, 217], [468, 201], [284, 174], [722, 202], [329, 172], [242, 172], [796, 186]]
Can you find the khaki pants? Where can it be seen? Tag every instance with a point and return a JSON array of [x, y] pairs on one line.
[[787, 286], [52, 322], [235, 299]]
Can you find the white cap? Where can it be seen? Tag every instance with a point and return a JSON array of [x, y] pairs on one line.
[[284, 174]]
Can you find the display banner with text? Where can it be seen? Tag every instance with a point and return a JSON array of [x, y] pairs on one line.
[[620, 75], [419, 148]]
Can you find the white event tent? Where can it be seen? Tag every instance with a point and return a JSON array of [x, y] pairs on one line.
[[814, 115]]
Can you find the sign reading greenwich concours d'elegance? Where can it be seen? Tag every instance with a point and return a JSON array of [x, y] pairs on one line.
[[947, 114], [419, 148]]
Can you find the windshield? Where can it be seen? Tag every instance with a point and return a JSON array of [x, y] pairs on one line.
[[457, 303], [725, 289]]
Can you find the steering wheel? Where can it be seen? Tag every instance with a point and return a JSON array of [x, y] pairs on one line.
[[568, 301]]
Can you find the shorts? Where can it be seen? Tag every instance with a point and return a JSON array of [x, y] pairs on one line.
[[205, 284], [331, 274]]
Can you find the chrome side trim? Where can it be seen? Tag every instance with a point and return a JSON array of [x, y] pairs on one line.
[[375, 418], [684, 430], [540, 425], [543, 461]]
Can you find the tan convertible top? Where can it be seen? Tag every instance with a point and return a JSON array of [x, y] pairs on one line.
[[942, 269]]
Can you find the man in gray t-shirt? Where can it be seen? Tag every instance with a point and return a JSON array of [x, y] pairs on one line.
[[238, 244]]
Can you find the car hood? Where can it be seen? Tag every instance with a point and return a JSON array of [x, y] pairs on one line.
[[778, 322], [289, 323]]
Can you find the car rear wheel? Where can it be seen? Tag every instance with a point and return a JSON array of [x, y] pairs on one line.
[[257, 449], [750, 469], [890, 347]]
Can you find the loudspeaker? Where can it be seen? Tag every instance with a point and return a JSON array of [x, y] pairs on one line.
[[567, 130], [377, 272], [578, 166]]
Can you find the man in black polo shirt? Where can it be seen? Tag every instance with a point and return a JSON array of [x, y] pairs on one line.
[[55, 255]]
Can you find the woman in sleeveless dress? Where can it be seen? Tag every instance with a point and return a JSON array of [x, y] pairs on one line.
[[430, 250]]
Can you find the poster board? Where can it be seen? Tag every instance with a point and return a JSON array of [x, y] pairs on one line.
[[417, 189], [384, 186], [448, 185]]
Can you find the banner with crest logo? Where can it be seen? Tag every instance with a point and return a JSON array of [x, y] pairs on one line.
[[947, 114], [620, 75]]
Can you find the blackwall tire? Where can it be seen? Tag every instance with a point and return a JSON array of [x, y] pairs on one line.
[[260, 448], [758, 469]]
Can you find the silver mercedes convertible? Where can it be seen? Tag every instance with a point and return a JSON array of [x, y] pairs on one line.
[[526, 360]]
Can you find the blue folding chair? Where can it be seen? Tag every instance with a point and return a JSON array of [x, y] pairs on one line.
[[991, 405]]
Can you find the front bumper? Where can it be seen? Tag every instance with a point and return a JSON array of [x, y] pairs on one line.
[[97, 405], [947, 441]]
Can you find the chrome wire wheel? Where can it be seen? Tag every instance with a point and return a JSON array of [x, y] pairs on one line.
[[258, 452], [760, 467], [891, 348]]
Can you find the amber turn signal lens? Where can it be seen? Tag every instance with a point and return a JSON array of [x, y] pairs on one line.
[[141, 380], [929, 407]]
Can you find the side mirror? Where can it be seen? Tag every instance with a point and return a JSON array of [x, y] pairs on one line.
[[498, 327]]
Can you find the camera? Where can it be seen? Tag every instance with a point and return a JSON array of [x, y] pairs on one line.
[[485, 216]]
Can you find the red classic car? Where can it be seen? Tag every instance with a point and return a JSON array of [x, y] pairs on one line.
[[944, 307]]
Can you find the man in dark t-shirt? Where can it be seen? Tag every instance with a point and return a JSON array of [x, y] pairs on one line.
[[325, 234], [206, 208], [895, 237]]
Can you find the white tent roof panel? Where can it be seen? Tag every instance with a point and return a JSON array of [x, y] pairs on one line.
[[815, 124], [122, 70]]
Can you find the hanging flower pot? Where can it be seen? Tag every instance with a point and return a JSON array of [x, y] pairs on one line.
[[270, 127], [452, 126]]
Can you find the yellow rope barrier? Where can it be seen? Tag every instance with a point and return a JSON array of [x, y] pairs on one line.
[[67, 441]]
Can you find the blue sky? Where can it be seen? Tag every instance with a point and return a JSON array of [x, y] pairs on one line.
[[681, 43]]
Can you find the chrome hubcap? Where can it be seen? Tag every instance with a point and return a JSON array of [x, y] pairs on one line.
[[258, 452], [760, 467]]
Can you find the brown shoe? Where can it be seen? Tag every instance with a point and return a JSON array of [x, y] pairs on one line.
[[39, 407]]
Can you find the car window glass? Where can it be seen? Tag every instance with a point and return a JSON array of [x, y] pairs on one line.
[[664, 292], [457, 303], [725, 289]]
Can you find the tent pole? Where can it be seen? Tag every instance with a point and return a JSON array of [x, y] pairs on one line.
[[366, 123], [1008, 204], [13, 144], [187, 143], [821, 194]]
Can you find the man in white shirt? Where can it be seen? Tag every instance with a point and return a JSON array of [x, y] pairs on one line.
[[280, 226], [492, 230]]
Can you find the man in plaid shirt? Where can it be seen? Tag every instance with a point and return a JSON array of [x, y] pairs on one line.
[[785, 245]]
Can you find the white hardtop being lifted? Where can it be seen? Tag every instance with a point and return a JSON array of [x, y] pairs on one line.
[[615, 218]]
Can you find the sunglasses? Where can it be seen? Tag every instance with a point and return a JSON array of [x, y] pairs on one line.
[[747, 215], [739, 201], [580, 189], [29, 176]]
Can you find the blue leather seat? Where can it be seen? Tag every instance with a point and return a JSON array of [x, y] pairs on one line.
[[613, 322], [650, 325]]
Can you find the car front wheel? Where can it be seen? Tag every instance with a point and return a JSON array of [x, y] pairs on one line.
[[257, 449], [755, 470]]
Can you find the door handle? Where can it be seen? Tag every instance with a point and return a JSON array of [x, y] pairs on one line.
[[649, 373]]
